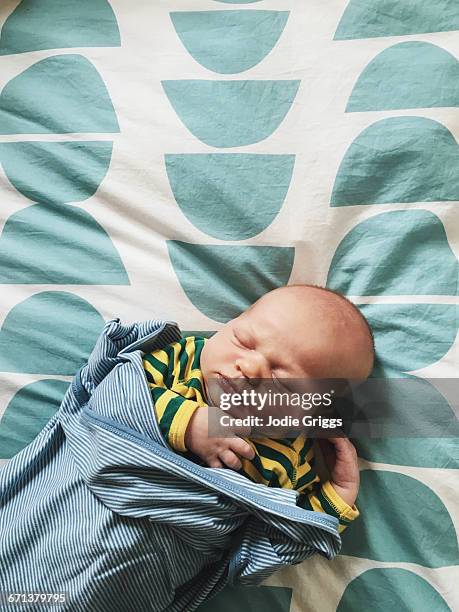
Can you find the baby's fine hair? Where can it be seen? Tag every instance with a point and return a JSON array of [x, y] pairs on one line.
[[350, 304]]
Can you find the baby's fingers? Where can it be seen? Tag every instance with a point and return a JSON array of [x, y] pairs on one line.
[[230, 459], [344, 449], [242, 448], [215, 463]]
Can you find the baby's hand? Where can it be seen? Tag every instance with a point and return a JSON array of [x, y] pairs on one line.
[[341, 459], [214, 451]]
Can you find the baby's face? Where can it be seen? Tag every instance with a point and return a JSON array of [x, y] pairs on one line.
[[285, 335]]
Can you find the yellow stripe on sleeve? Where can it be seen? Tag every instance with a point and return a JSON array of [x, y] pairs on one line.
[[303, 470], [288, 452], [156, 374], [180, 423], [176, 347], [299, 442], [162, 403], [161, 356], [278, 468], [340, 506], [315, 503], [252, 471]]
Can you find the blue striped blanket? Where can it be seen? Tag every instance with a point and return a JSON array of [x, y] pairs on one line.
[[99, 508]]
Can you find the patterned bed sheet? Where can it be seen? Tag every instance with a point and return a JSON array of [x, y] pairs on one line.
[[179, 158]]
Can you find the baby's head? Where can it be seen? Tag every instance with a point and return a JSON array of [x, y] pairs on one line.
[[296, 331]]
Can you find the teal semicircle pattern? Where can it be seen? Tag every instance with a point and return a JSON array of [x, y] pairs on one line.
[[395, 253], [58, 244], [56, 172], [228, 42], [391, 589], [54, 24], [399, 159], [410, 74], [215, 277], [403, 335], [397, 541], [52, 332], [408, 406], [373, 18], [28, 412], [231, 113], [60, 94], [441, 453], [215, 191]]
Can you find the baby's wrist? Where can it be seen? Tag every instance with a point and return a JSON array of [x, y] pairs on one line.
[[188, 435], [347, 494]]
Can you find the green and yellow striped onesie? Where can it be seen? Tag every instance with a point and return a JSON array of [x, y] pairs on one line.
[[177, 389]]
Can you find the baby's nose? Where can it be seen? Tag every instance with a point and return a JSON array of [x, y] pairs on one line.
[[253, 365]]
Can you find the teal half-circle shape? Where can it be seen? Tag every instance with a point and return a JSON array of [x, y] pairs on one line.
[[399, 159], [410, 74], [55, 330], [373, 18], [402, 252], [375, 537], [53, 24], [389, 588], [407, 406], [215, 191], [255, 599], [222, 281], [231, 113], [404, 335], [27, 413], [59, 244], [441, 453], [56, 172], [59, 94], [229, 41]]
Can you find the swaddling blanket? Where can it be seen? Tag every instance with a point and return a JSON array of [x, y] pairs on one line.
[[99, 508]]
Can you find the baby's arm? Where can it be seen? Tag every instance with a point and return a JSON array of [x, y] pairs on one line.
[[337, 495], [173, 413], [184, 425]]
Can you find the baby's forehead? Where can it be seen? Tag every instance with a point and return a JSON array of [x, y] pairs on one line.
[[282, 316], [300, 314], [307, 303]]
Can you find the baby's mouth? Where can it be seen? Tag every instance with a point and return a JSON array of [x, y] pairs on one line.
[[217, 385]]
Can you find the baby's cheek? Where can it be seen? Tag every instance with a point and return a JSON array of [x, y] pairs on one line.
[[203, 360], [207, 360]]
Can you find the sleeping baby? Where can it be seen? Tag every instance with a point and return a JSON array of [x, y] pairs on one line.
[[98, 513], [297, 332]]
